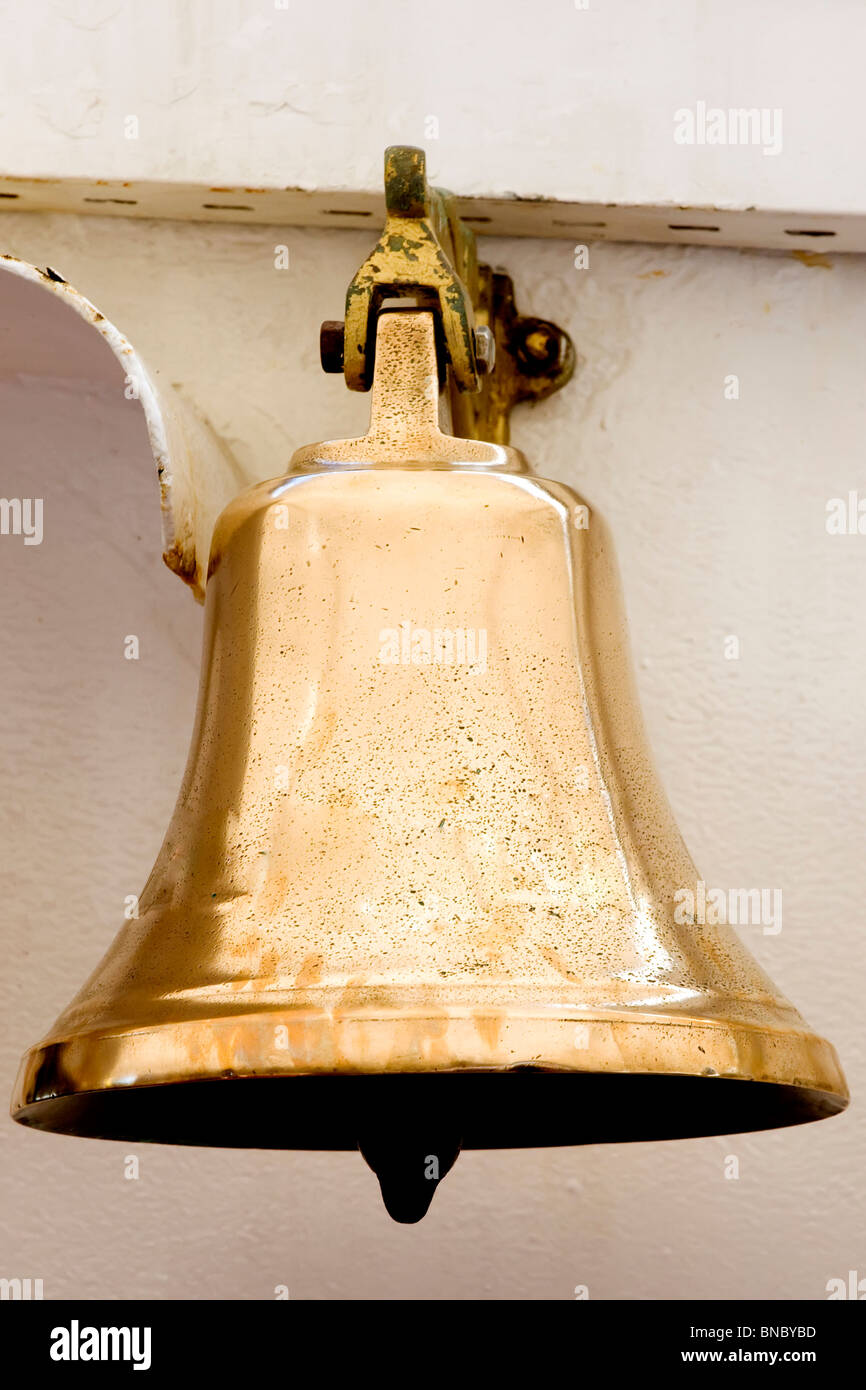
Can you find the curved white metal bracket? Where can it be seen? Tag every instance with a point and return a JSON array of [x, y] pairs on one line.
[[198, 474]]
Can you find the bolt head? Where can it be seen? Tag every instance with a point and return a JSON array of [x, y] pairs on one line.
[[485, 349], [332, 336]]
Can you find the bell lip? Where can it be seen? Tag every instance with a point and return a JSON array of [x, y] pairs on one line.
[[521, 1107], [378, 1044]]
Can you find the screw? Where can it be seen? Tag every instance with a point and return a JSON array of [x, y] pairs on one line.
[[539, 348]]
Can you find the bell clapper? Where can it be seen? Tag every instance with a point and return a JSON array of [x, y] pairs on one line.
[[410, 1160]]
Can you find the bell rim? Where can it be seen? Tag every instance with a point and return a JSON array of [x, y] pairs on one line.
[[196, 1051], [520, 1107]]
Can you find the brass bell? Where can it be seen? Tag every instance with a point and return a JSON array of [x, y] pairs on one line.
[[422, 889]]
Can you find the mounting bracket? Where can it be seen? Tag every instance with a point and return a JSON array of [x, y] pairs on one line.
[[490, 356]]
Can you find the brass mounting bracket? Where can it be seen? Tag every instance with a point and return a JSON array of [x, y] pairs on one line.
[[490, 356]]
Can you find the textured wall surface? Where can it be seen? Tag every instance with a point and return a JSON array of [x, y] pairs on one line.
[[565, 99], [718, 508]]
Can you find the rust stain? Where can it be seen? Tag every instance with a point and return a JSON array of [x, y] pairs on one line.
[[555, 960], [183, 563], [453, 789], [489, 1027], [653, 274], [813, 258], [310, 972]]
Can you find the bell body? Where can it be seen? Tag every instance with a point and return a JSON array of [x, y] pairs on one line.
[[419, 829], [420, 832]]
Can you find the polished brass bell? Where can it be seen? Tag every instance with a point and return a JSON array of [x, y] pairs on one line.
[[422, 889]]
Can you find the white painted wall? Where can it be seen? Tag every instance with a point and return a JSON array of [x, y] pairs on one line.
[[718, 507], [555, 99]]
